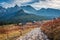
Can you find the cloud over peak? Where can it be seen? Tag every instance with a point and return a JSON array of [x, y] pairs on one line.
[[47, 4], [15, 2], [37, 4]]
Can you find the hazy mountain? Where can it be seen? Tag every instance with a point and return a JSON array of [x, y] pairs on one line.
[[49, 12], [2, 11], [20, 16], [29, 9], [26, 13], [13, 9]]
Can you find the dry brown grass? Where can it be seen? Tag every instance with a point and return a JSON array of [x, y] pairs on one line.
[[11, 32], [52, 29]]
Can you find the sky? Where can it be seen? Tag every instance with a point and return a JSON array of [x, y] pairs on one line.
[[37, 4]]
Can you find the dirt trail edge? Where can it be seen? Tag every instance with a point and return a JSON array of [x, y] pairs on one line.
[[35, 34]]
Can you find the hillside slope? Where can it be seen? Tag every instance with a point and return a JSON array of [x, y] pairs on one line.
[[19, 16], [52, 29]]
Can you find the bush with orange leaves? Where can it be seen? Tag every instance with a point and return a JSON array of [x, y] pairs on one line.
[[52, 29]]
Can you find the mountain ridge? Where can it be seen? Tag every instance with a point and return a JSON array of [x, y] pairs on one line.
[[18, 14]]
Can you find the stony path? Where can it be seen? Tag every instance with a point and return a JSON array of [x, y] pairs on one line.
[[35, 34]]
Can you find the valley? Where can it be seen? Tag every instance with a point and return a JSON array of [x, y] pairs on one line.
[[40, 30]]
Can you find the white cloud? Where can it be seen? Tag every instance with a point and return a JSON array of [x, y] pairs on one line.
[[6, 5], [20, 2], [47, 4], [15, 2], [37, 5]]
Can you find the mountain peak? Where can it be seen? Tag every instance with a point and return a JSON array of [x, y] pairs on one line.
[[28, 6], [29, 9], [16, 6], [1, 7]]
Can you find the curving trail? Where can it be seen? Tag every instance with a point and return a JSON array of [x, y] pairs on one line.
[[35, 34]]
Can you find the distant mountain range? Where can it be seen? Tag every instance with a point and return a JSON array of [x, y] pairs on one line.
[[26, 14], [51, 13], [19, 17], [29, 9]]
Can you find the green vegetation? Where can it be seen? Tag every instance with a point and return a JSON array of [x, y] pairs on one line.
[[20, 17]]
